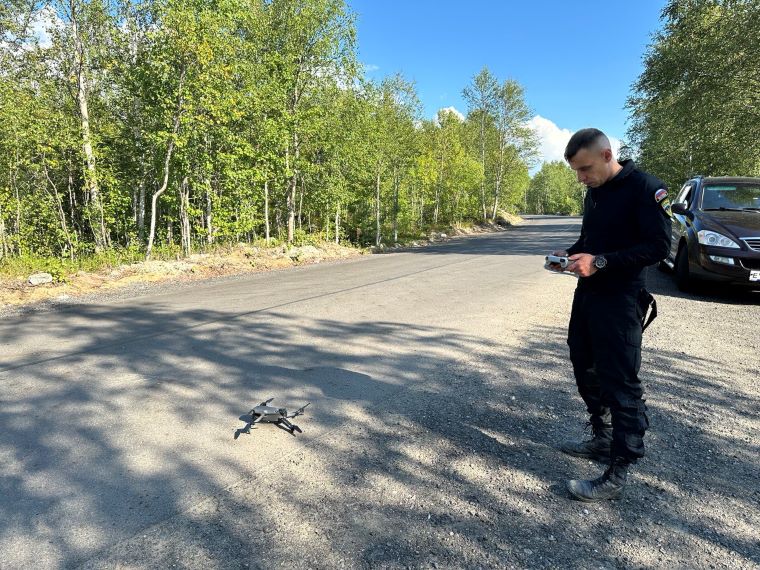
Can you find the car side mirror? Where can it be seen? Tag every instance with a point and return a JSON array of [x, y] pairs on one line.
[[682, 210]]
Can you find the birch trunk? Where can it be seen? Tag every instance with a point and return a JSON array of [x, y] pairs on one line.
[[395, 204], [3, 239], [73, 206], [91, 175], [499, 177], [140, 210], [156, 196], [184, 217], [337, 224], [266, 210], [495, 207], [300, 206], [141, 207], [209, 214], [438, 185], [18, 213], [483, 162], [378, 237], [292, 189], [167, 160]]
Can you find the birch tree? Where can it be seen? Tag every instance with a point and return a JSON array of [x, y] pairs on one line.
[[482, 97]]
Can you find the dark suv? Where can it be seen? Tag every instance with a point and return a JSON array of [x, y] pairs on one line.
[[716, 232]]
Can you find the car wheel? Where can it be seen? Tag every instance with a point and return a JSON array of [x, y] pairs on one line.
[[684, 281]]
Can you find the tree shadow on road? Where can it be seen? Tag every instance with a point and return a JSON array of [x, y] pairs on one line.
[[422, 445]]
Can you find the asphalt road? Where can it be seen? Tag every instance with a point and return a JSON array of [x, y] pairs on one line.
[[439, 387]]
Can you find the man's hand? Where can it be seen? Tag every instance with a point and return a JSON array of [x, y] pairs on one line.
[[582, 264]]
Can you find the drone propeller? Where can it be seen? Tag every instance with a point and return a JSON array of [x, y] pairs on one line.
[[299, 411]]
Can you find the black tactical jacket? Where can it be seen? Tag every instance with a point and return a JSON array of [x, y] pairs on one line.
[[627, 220]]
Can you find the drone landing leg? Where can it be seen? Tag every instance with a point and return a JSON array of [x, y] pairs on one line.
[[292, 427]]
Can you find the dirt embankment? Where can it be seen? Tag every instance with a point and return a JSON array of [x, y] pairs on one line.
[[243, 259]]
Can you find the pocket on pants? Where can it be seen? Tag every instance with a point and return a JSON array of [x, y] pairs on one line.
[[633, 337], [633, 343]]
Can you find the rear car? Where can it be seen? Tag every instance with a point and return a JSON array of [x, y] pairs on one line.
[[716, 232]]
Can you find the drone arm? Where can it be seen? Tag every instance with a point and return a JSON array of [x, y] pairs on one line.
[[299, 411]]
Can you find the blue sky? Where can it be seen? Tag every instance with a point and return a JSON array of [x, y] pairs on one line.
[[576, 60]]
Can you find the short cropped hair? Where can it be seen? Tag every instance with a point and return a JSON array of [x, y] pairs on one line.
[[585, 138]]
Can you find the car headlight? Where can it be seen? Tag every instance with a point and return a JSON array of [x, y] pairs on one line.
[[706, 237]]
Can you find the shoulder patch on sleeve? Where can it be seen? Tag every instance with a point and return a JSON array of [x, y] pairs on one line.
[[660, 195]]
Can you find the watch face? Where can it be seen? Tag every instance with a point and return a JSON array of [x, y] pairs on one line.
[[600, 261]]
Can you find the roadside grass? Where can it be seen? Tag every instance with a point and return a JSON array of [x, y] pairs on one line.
[[119, 268], [62, 268]]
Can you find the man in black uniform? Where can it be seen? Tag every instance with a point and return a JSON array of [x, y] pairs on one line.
[[626, 226]]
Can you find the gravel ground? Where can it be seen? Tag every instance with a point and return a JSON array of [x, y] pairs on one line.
[[459, 469], [470, 477]]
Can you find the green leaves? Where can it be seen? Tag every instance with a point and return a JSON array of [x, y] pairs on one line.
[[506, 145], [696, 107], [555, 190], [202, 103]]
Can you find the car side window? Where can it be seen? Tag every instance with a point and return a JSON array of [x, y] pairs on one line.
[[684, 196]]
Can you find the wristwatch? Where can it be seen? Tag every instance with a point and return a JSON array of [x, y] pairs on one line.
[[600, 262]]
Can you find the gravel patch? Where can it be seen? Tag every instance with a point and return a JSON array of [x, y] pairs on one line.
[[464, 473], [453, 464]]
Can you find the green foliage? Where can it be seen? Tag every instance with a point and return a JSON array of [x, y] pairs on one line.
[[242, 119], [555, 190], [498, 116], [21, 266], [696, 106]]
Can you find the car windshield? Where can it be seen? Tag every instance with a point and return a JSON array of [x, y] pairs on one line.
[[731, 197]]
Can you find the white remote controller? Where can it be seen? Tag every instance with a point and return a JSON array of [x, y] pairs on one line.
[[562, 261]]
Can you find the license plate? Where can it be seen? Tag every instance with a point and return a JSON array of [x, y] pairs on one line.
[[754, 275]]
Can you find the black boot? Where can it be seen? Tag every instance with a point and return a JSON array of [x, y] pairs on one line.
[[607, 487], [597, 448]]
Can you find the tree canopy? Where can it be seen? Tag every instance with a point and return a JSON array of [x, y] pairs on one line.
[[144, 124], [695, 109]]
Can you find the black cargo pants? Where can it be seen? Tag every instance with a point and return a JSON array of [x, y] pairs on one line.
[[604, 337]]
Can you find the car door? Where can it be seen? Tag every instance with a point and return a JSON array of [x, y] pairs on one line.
[[679, 223]]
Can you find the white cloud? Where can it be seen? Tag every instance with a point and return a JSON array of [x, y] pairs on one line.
[[452, 110], [42, 23], [553, 140], [38, 31], [370, 67]]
